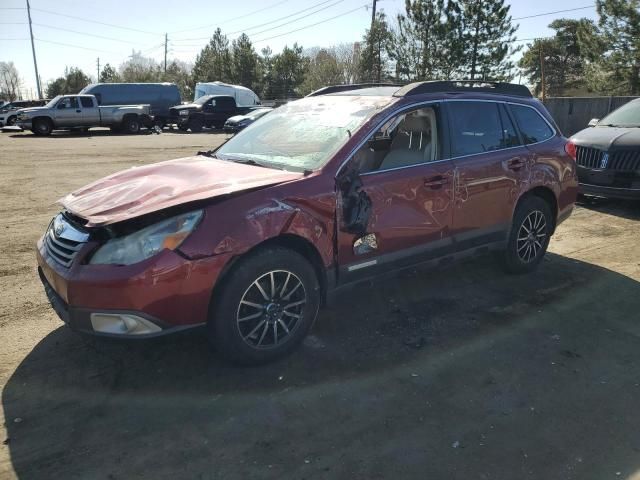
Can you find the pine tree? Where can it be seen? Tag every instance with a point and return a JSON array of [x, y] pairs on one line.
[[213, 63], [488, 37], [245, 62], [564, 59], [289, 70], [374, 59], [427, 42], [109, 74], [617, 50]]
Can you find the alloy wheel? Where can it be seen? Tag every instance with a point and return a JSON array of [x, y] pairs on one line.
[[271, 309], [531, 236]]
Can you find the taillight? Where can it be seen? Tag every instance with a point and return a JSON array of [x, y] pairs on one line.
[[570, 148]]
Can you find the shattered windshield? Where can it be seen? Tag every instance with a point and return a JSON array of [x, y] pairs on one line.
[[302, 135]]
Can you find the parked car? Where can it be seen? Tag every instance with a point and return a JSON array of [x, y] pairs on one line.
[[338, 187], [608, 154], [240, 122], [9, 111], [243, 96], [208, 111], [66, 112], [159, 96]]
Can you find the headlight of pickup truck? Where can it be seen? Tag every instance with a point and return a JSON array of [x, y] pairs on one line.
[[184, 113], [149, 241]]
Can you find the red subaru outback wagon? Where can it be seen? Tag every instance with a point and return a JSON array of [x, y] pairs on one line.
[[350, 182]]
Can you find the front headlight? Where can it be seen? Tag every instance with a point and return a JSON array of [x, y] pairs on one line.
[[145, 243]]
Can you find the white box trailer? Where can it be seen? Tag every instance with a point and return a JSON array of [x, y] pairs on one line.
[[244, 97]]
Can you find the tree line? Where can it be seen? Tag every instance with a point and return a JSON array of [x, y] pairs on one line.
[[430, 39]]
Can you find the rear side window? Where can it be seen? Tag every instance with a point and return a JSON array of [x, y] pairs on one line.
[[476, 127], [533, 127], [86, 102]]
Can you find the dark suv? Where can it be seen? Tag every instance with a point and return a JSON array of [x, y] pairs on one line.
[[348, 183]]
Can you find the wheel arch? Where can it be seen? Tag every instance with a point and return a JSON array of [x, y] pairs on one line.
[[286, 240], [546, 194]]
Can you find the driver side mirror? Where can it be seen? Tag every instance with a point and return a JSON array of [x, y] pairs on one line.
[[593, 122]]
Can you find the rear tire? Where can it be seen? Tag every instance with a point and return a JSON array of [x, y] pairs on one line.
[[42, 127], [131, 125], [529, 236], [265, 307]]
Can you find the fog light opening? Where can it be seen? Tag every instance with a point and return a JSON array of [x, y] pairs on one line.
[[122, 324]]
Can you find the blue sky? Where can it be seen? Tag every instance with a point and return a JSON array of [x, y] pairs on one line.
[[188, 24]]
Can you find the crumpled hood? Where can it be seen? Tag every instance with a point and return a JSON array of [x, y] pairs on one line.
[[608, 138], [141, 190]]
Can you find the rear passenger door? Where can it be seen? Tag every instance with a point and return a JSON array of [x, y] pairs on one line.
[[90, 112], [490, 165]]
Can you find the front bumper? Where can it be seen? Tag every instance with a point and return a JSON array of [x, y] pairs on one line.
[[609, 183], [610, 192], [169, 292]]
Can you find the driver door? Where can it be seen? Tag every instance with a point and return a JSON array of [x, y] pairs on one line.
[[68, 112], [396, 197]]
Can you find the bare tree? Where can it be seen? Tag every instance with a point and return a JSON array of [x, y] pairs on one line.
[[10, 81]]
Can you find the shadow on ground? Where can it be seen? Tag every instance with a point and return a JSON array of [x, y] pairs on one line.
[[457, 373], [106, 133], [629, 209]]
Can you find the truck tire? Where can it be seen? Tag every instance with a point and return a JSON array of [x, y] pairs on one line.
[[195, 125], [131, 125], [42, 127], [182, 127]]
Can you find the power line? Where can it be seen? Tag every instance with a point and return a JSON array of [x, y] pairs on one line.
[[76, 46], [267, 23], [557, 11], [233, 19], [12, 39], [311, 25], [296, 20], [94, 21], [14, 8], [82, 33]]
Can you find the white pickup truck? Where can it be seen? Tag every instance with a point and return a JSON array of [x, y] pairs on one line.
[[67, 112]]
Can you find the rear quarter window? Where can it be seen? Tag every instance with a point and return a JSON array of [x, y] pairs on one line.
[[532, 126]]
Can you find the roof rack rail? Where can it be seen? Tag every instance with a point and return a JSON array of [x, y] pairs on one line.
[[452, 86], [353, 86]]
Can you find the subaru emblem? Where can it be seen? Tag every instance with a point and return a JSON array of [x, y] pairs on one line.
[[59, 228], [605, 160]]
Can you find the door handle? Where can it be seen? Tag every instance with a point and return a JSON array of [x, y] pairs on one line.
[[515, 163], [78, 111], [436, 182]]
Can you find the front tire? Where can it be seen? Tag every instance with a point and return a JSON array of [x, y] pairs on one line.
[[529, 236], [11, 121], [265, 307], [42, 127], [195, 125]]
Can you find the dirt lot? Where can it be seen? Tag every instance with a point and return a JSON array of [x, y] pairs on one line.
[[457, 373]]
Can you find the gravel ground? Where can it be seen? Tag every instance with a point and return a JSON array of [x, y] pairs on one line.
[[462, 372]]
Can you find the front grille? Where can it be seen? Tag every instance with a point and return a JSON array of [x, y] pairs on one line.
[[625, 161], [63, 241], [589, 157], [622, 161]]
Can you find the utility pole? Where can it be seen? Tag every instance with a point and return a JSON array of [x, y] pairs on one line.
[[166, 41], [373, 21], [98, 78], [542, 84], [33, 49]]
